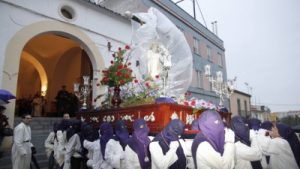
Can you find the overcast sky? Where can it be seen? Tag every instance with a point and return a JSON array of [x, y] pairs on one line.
[[262, 43]]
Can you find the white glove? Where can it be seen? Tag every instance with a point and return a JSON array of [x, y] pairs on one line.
[[174, 145], [229, 136], [252, 134]]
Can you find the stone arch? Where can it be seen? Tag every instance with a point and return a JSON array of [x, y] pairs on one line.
[[40, 69], [19, 40]]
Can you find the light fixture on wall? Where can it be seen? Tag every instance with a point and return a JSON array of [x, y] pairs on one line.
[[83, 91], [219, 86], [43, 90]]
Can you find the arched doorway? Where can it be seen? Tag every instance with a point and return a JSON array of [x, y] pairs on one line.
[[15, 48], [49, 61]]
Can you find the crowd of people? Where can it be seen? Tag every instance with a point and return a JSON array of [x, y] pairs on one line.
[[244, 144]]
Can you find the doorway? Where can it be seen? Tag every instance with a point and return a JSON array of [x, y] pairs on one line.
[[48, 62]]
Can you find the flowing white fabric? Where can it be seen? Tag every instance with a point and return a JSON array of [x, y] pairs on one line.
[[281, 155], [59, 147], [21, 150], [208, 158], [73, 147], [49, 144], [114, 154], [244, 154], [171, 50], [95, 157], [161, 161]]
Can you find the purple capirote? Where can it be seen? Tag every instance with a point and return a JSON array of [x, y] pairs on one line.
[[106, 133], [212, 127], [241, 130], [254, 123], [139, 142], [121, 132]]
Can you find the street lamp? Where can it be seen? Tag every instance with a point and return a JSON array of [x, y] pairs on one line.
[[220, 87], [83, 91]]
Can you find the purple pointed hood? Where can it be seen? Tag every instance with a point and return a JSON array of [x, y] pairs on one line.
[[254, 123], [267, 125], [173, 130], [212, 127], [121, 132], [106, 133], [139, 142], [241, 130]]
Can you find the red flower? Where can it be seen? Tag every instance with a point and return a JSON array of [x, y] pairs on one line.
[[120, 66], [147, 84], [136, 81], [157, 76], [118, 73]]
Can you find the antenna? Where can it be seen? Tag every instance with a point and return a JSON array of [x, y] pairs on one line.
[[200, 12], [215, 27]]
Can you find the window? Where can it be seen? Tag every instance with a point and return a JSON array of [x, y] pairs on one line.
[[196, 46], [199, 79], [245, 104], [209, 57], [220, 59], [239, 106]]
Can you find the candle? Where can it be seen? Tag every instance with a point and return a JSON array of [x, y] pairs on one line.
[[76, 87], [86, 80]]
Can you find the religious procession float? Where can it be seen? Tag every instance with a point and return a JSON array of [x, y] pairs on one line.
[[149, 79]]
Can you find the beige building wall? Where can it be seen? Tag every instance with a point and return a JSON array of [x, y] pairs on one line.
[[245, 102]]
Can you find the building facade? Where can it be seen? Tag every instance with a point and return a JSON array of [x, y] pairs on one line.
[[240, 103], [50, 43]]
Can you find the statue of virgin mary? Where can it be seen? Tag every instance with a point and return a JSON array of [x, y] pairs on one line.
[[160, 48]]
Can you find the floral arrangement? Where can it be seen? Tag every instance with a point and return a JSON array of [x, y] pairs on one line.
[[141, 92], [118, 73]]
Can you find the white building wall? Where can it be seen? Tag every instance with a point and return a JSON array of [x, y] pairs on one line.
[[99, 24]]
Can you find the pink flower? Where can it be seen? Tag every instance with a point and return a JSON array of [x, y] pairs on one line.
[[127, 47]]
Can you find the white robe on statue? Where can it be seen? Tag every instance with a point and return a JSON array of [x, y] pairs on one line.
[[94, 155], [21, 150]]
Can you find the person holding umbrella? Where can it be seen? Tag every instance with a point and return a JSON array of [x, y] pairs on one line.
[[3, 124]]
